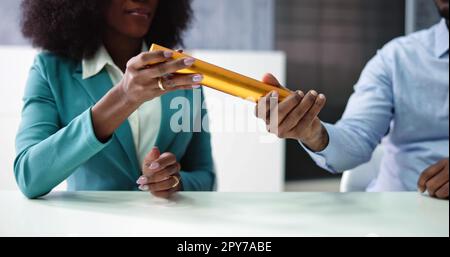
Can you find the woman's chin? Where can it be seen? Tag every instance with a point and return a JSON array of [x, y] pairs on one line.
[[137, 34]]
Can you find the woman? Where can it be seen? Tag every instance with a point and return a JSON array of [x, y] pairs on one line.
[[96, 112]]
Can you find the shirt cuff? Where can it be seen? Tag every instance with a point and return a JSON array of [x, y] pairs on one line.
[[330, 152]]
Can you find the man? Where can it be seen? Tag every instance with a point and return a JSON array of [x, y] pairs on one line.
[[402, 96]]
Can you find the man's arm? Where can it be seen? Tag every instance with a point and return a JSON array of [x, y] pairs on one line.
[[352, 140], [365, 122]]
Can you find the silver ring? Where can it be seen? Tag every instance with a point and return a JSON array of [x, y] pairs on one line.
[[160, 84]]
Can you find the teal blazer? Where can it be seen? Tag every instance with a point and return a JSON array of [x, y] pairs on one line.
[[56, 140]]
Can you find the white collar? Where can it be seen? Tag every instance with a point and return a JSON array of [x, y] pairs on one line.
[[100, 60]]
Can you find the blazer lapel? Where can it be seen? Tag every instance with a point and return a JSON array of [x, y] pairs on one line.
[[166, 135], [96, 87]]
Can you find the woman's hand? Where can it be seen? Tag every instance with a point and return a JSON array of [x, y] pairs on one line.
[[297, 116], [145, 71], [161, 174], [141, 83]]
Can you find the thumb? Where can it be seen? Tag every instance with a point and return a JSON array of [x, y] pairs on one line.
[[271, 80], [152, 156]]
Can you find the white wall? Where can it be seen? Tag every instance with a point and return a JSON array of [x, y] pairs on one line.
[[244, 161], [14, 65]]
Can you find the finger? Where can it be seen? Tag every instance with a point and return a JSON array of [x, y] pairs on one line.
[[156, 91], [165, 160], [427, 175], [187, 87], [153, 155], [165, 194], [148, 58], [164, 174], [271, 80], [436, 182], [288, 105], [159, 176], [164, 185], [442, 193], [294, 118], [161, 69], [312, 114], [182, 81]]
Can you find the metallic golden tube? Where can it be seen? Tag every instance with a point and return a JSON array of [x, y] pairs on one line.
[[227, 81]]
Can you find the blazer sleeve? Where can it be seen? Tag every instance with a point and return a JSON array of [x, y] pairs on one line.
[[46, 152], [198, 166]]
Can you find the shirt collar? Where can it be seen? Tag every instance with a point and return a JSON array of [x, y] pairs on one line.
[[441, 39], [100, 60]]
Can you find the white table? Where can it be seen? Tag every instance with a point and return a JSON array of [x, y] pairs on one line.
[[223, 214]]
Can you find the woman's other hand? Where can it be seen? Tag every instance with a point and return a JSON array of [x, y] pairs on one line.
[[161, 174]]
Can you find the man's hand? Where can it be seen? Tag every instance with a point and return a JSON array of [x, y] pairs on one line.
[[297, 116], [161, 174], [435, 180]]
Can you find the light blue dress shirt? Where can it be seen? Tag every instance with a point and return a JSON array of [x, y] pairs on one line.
[[401, 100]]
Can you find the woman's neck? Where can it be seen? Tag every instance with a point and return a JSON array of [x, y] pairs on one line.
[[121, 48]]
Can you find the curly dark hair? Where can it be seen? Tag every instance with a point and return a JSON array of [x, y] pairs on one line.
[[74, 28]]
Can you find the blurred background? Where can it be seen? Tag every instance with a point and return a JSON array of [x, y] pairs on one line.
[[309, 44]]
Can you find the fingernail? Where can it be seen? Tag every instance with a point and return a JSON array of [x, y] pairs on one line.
[[168, 54], [142, 180], [300, 93], [275, 94], [144, 188], [314, 93], [321, 96], [197, 78], [196, 86], [189, 61], [154, 166]]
